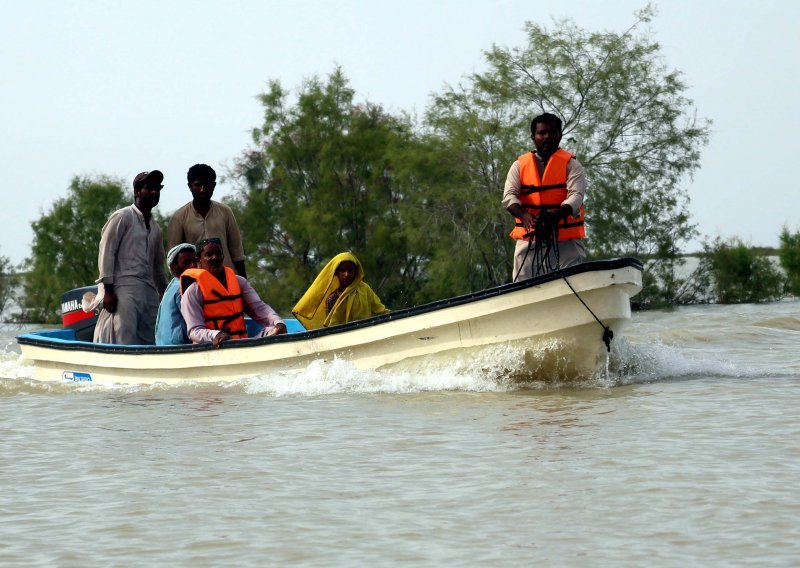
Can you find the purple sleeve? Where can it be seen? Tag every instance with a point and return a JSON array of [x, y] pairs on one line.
[[192, 311], [256, 308]]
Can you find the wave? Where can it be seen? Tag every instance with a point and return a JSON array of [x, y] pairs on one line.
[[497, 368], [780, 323]]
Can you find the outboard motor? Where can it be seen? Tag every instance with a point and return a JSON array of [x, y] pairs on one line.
[[72, 315]]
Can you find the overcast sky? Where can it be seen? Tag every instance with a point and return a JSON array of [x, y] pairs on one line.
[[96, 87]]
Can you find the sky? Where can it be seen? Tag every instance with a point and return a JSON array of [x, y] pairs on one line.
[[115, 88]]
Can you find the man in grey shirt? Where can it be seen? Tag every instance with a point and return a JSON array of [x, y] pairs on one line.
[[202, 218], [131, 264]]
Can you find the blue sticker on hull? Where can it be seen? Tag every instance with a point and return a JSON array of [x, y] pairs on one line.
[[76, 376]]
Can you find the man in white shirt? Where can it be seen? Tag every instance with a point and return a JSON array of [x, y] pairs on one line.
[[131, 265]]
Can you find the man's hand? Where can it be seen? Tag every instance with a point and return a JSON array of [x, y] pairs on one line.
[[109, 299], [551, 218], [523, 215], [219, 338], [277, 330], [564, 211], [528, 221]]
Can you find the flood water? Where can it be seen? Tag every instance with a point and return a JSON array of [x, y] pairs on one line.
[[685, 454]]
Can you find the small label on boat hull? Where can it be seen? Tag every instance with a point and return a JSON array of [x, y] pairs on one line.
[[76, 376]]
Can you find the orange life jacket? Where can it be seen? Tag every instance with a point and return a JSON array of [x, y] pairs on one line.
[[223, 308], [547, 192]]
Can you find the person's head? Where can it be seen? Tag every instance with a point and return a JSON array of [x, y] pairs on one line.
[[346, 272], [202, 179], [180, 258], [210, 255], [147, 190], [546, 133]]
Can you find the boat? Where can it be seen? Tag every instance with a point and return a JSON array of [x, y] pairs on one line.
[[580, 308]]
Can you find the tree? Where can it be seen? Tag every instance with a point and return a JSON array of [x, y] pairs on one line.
[[789, 254], [474, 136], [65, 241], [321, 179], [8, 282], [739, 275], [625, 117]]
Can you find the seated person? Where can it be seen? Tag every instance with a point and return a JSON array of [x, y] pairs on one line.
[[338, 295], [170, 325], [214, 300]]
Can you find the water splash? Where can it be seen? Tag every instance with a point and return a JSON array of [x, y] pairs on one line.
[[496, 368]]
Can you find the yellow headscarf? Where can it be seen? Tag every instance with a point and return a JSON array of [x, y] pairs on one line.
[[358, 301]]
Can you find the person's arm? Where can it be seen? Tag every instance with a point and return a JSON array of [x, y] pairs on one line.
[[109, 299], [192, 311], [238, 265], [511, 198], [576, 189], [112, 234], [233, 238], [178, 335], [376, 306], [257, 309], [159, 273], [175, 232]]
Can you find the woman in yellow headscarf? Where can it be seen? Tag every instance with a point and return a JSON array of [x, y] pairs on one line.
[[338, 295]]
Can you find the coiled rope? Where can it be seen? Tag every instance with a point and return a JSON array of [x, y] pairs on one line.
[[543, 241]]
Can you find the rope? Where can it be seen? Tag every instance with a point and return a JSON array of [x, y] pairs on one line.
[[608, 335], [543, 241]]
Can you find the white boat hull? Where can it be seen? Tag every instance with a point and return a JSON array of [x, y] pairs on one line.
[[544, 312]]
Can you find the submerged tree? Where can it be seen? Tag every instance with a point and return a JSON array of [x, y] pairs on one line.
[[8, 282], [65, 240], [625, 117], [789, 254], [321, 179], [476, 137], [737, 274], [422, 206]]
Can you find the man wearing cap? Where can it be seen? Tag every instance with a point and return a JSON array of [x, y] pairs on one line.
[[170, 325], [202, 217], [214, 300], [131, 263]]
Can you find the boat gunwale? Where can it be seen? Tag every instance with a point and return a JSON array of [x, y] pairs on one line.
[[34, 339]]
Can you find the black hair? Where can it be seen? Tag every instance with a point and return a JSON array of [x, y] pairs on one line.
[[207, 240], [545, 118], [201, 171]]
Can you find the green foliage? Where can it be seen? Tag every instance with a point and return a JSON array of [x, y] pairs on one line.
[[662, 285], [64, 251], [320, 180], [789, 254], [738, 275], [422, 206], [162, 220], [8, 281], [476, 137], [625, 117]]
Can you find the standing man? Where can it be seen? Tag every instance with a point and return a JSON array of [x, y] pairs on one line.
[[546, 188], [202, 218], [131, 263], [170, 325], [214, 300]]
